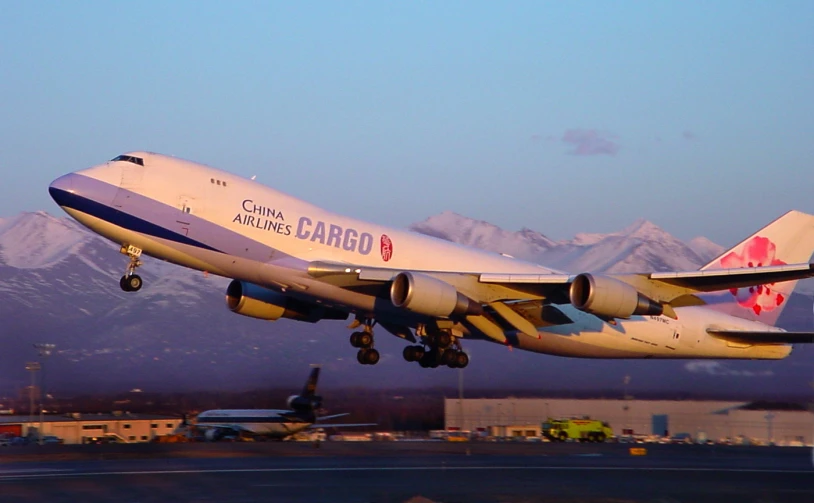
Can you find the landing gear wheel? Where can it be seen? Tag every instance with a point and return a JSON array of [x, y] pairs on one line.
[[134, 282], [461, 359], [409, 354], [371, 357], [430, 359], [365, 339], [441, 340], [367, 356], [449, 358], [361, 340], [413, 353], [131, 283]]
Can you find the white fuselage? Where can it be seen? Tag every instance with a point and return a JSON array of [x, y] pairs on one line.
[[238, 228], [261, 422]]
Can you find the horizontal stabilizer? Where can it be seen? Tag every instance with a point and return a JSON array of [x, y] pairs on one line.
[[334, 416], [722, 279], [750, 337]]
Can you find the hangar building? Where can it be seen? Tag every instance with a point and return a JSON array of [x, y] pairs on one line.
[[77, 428], [712, 420]]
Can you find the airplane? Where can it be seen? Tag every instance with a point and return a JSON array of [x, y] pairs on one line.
[[288, 258], [271, 423]]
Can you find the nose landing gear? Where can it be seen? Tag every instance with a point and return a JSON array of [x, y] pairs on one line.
[[131, 282]]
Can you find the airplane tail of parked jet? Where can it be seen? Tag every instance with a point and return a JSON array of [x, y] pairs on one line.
[[787, 240], [307, 401]]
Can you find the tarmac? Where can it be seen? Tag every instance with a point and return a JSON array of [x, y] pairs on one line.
[[414, 472]]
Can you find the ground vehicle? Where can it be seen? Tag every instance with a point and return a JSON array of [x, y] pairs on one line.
[[584, 430]]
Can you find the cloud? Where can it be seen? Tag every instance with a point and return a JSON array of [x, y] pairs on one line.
[[689, 135], [718, 369], [590, 142]]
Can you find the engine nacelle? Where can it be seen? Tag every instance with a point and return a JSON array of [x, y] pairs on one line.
[[255, 301], [301, 403], [426, 295], [610, 298]]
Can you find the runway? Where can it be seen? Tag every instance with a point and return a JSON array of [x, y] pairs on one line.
[[407, 472]]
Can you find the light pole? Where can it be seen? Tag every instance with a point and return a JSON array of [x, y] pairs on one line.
[[626, 407], [32, 367], [769, 434], [44, 351], [461, 397]]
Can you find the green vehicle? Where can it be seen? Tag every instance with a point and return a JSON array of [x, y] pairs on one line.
[[583, 430]]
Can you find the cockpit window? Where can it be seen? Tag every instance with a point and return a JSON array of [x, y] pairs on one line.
[[129, 158]]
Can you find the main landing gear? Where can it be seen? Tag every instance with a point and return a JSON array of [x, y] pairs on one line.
[[131, 282], [438, 347], [442, 349], [367, 354]]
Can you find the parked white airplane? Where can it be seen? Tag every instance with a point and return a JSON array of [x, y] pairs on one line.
[[291, 259], [271, 423]]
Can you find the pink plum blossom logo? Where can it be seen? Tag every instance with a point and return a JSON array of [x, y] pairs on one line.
[[386, 247], [757, 252]]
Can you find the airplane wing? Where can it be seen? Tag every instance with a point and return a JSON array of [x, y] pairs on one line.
[[756, 337], [348, 425], [544, 286], [492, 302]]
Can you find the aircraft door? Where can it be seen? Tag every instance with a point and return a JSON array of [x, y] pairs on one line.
[[131, 182], [187, 206]]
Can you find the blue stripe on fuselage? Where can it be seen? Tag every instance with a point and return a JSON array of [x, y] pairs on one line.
[[120, 218]]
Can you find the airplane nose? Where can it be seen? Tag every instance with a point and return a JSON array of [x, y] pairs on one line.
[[61, 188]]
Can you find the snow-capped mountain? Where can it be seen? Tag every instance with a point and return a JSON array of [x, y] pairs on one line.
[[640, 247], [59, 284]]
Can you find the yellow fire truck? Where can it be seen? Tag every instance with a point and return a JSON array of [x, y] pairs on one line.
[[583, 430]]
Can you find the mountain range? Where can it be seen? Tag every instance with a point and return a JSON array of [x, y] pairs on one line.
[[59, 284]]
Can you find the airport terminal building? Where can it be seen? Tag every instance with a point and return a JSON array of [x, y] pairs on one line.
[[736, 422], [80, 428]]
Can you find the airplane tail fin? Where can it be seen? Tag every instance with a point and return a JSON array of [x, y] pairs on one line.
[[307, 401], [310, 388], [787, 240]]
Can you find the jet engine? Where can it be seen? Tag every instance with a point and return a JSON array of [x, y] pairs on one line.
[[255, 301], [423, 294], [610, 298], [303, 403]]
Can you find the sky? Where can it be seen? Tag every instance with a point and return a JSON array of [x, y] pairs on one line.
[[563, 117]]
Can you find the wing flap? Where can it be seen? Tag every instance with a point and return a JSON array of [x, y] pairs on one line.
[[515, 319], [757, 337], [536, 279]]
